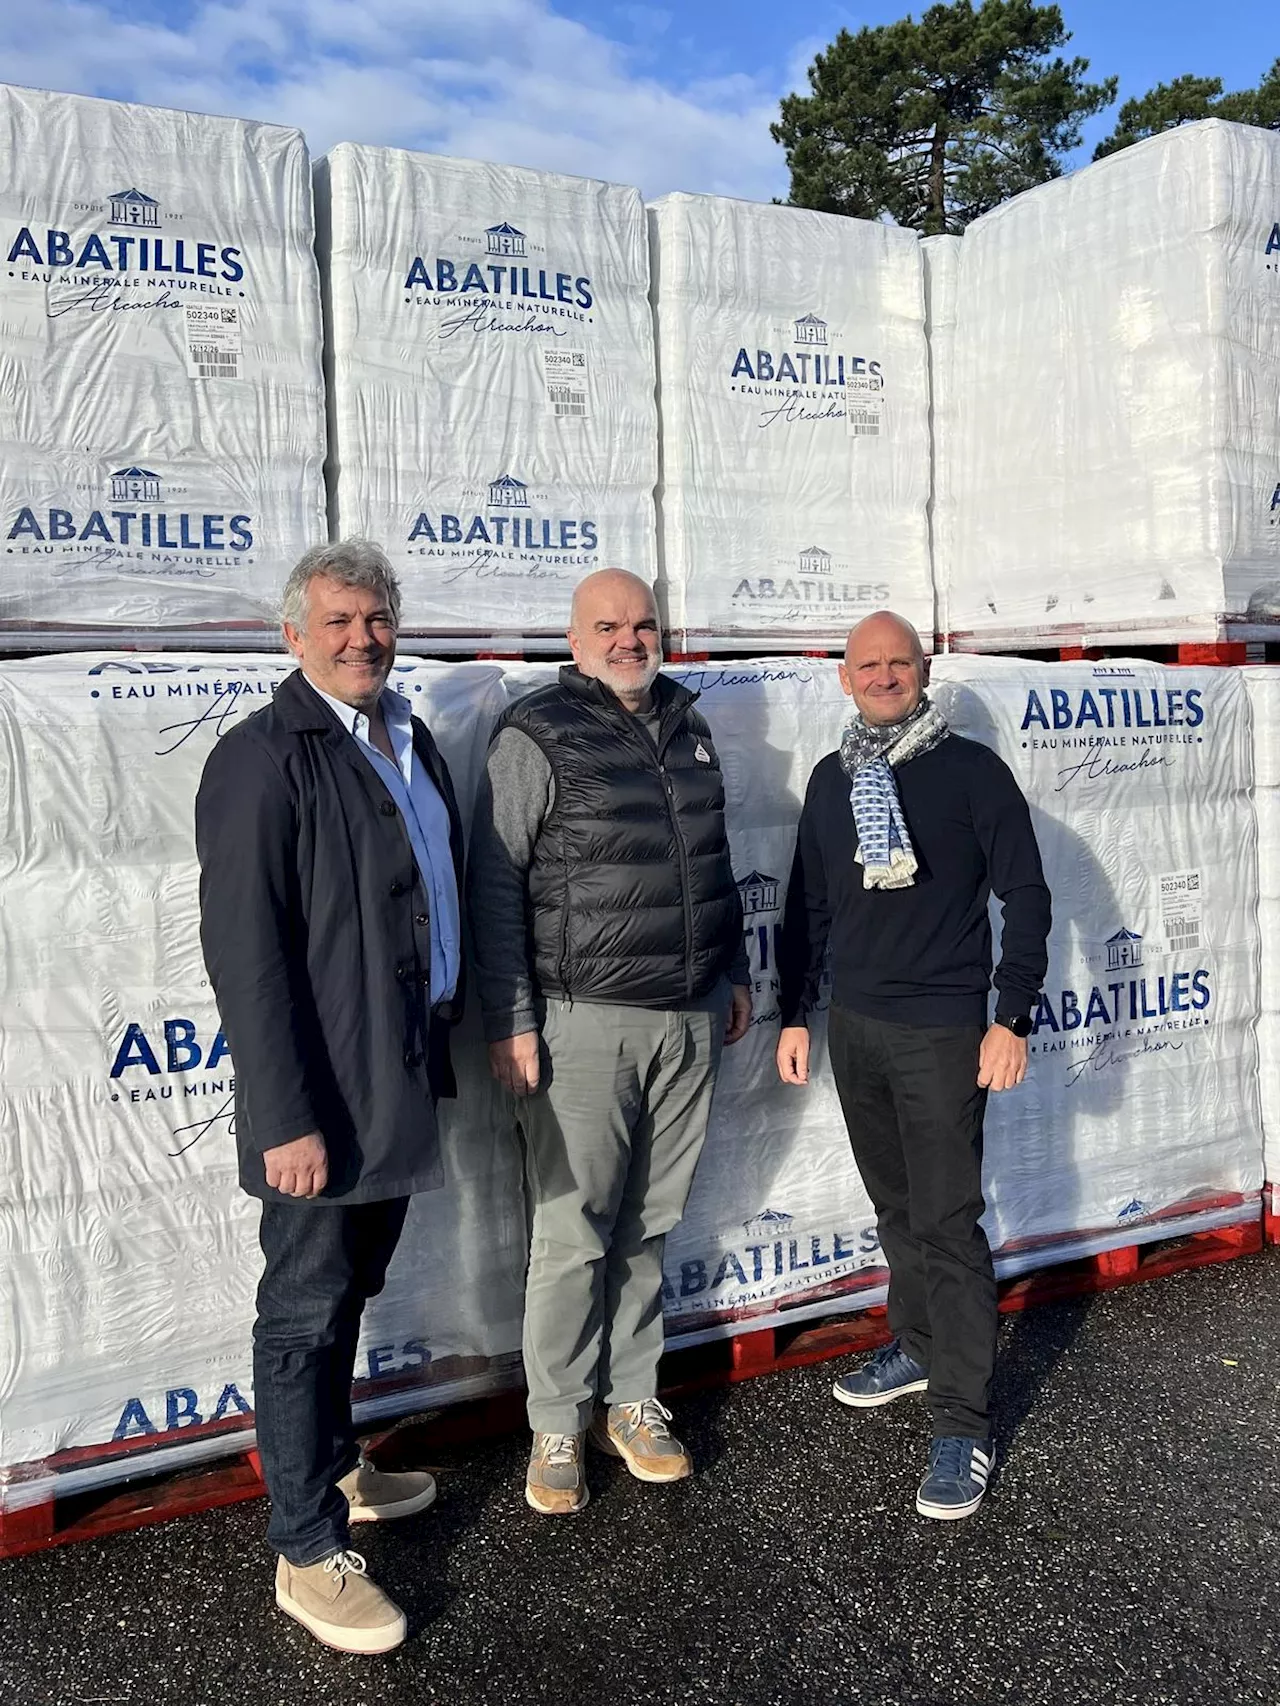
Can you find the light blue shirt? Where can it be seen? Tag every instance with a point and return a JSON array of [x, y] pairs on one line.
[[425, 816]]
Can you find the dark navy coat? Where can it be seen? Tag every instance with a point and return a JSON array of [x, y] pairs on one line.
[[316, 932]]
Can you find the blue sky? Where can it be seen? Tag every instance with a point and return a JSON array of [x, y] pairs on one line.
[[667, 97]]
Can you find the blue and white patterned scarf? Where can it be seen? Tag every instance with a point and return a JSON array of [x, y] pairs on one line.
[[869, 754]]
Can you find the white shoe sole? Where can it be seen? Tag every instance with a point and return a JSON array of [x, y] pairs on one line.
[[548, 1510], [342, 1639], [949, 1513], [610, 1448], [392, 1513], [857, 1403]]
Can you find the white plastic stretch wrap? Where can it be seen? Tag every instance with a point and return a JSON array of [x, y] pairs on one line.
[[778, 1215], [128, 1254], [1115, 466], [1264, 696], [1141, 1103], [161, 393], [941, 257], [793, 388], [493, 413]]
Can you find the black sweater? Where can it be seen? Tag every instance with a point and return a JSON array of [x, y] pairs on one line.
[[919, 955]]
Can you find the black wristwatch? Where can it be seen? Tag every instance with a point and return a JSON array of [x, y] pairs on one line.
[[1020, 1026]]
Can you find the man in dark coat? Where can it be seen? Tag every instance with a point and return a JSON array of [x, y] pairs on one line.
[[906, 832], [610, 961], [331, 857]]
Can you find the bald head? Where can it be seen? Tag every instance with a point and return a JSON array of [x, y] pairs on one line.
[[614, 634], [601, 587], [884, 668]]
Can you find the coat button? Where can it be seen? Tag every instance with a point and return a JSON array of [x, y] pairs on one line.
[[397, 889], [426, 979], [402, 972], [422, 918], [387, 808]]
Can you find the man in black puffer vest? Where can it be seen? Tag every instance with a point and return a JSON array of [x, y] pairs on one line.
[[609, 951]]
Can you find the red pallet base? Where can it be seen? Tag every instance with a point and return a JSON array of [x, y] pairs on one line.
[[1270, 1219], [1225, 653], [770, 1350], [1209, 653]]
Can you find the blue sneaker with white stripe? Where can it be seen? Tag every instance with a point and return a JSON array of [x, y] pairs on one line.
[[887, 1375], [956, 1479]]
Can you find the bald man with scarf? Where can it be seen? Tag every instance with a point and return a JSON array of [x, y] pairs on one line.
[[906, 832]]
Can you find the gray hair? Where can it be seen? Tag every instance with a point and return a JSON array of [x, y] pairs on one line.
[[349, 562]]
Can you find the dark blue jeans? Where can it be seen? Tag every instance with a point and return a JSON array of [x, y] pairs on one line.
[[323, 1263]]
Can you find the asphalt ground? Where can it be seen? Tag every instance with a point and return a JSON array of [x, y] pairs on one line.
[[1128, 1551]]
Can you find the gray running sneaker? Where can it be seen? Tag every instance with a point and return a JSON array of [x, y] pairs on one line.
[[638, 1433], [555, 1484]]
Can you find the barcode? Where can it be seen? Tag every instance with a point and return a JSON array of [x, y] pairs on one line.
[[215, 357], [566, 400], [1188, 933], [224, 370], [865, 430]]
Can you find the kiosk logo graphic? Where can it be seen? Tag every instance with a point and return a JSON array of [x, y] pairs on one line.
[[135, 486], [769, 1223], [131, 207], [815, 561], [507, 492], [1124, 950], [504, 239], [759, 893], [811, 330], [761, 928]]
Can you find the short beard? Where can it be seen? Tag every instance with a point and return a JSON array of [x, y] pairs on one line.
[[632, 689]]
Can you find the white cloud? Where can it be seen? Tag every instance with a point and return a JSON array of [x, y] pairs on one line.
[[506, 80]]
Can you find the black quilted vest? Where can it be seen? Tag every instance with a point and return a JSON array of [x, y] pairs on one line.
[[631, 891]]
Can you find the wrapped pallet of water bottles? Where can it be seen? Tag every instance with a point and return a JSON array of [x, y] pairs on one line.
[[781, 420], [162, 431], [130, 1255]]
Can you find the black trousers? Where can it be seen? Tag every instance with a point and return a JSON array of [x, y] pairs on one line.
[[914, 1112], [323, 1263]]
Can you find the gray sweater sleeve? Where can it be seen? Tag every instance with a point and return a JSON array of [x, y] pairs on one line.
[[516, 792]]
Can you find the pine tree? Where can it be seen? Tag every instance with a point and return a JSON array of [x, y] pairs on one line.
[[932, 123], [1189, 98]]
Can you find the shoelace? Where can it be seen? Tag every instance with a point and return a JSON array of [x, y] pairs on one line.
[[951, 1457], [345, 1564], [559, 1449], [649, 1413], [887, 1355]]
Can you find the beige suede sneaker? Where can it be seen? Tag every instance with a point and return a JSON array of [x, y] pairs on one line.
[[382, 1495], [337, 1603], [555, 1484], [638, 1433]]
